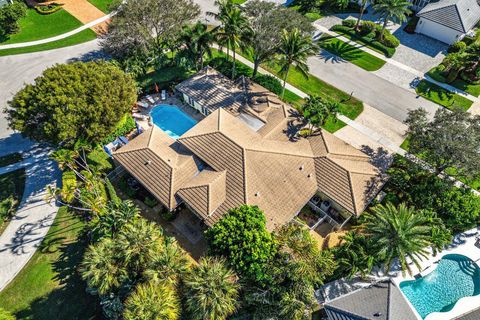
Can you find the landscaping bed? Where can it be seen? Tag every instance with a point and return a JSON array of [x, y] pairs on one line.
[[12, 185], [350, 53], [437, 74], [441, 96], [49, 286]]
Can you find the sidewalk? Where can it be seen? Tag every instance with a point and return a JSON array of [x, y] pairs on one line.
[[28, 227], [415, 73]]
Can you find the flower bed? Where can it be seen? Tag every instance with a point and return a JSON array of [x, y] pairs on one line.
[[48, 8]]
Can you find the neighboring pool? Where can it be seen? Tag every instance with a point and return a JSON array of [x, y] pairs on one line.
[[456, 276], [172, 120]]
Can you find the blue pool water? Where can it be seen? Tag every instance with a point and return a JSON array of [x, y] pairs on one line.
[[172, 120], [456, 276]]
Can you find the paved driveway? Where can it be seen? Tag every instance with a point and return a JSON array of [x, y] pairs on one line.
[[16, 70]]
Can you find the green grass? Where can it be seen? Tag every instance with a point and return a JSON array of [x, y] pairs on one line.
[[441, 96], [10, 159], [49, 286], [81, 37], [350, 53], [164, 77], [436, 74], [359, 40], [239, 1], [406, 144], [35, 26], [102, 5]]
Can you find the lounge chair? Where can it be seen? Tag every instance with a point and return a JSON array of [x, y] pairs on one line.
[[140, 116], [164, 94], [150, 99], [143, 104]]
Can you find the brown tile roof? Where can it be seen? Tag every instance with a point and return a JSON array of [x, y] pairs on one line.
[[160, 163]]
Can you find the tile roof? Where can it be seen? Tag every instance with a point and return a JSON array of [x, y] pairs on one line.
[[460, 15]]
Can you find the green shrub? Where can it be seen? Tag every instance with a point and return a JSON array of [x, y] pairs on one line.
[[224, 66], [390, 40], [151, 202], [370, 36], [48, 8], [167, 215], [9, 17], [411, 25], [313, 16], [368, 27], [388, 52], [269, 82], [112, 194], [99, 159], [7, 208], [349, 23], [125, 125], [457, 47], [69, 183]]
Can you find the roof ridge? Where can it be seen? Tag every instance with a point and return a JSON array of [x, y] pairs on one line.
[[281, 153], [350, 186], [460, 17]]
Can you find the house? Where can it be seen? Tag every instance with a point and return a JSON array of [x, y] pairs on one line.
[[448, 20], [246, 151]]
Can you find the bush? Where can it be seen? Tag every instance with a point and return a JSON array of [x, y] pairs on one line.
[[9, 16], [457, 47], [368, 27], [126, 125], [151, 202], [388, 52], [167, 215], [390, 40], [269, 82], [99, 159], [7, 209], [224, 66], [48, 8], [349, 23], [411, 25], [69, 183]]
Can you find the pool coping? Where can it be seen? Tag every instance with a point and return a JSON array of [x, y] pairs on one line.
[[464, 244]]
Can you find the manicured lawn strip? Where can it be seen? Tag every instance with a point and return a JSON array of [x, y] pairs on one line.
[[473, 89], [49, 286], [441, 96], [102, 5], [81, 37], [10, 159], [36, 26], [359, 40], [350, 53]]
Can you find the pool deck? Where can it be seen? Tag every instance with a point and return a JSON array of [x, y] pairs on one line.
[[464, 244]]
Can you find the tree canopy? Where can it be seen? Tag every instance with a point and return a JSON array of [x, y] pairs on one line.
[[316, 111], [69, 102], [241, 236], [9, 16], [451, 140]]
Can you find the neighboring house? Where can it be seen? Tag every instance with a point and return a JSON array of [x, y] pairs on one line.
[[448, 20], [246, 152]]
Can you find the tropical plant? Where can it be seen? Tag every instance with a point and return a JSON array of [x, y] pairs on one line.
[[152, 301], [316, 111], [294, 49], [113, 218], [234, 30], [455, 63], [72, 102], [211, 290], [354, 255], [341, 4], [241, 236], [5, 315], [391, 10], [197, 40], [398, 233], [363, 6]]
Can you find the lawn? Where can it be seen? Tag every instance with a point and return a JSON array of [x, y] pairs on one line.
[[12, 185], [10, 159], [164, 77], [473, 89], [102, 5], [350, 53], [239, 1], [49, 286], [441, 96], [36, 26], [81, 37]]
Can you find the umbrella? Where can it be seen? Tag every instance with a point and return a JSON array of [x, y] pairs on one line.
[[156, 88]]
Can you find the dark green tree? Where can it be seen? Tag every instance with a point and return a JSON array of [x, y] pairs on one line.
[[391, 10], [316, 111], [9, 16], [266, 19], [197, 40], [242, 238], [451, 140], [70, 102]]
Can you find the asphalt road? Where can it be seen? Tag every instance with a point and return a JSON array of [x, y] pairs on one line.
[[17, 70]]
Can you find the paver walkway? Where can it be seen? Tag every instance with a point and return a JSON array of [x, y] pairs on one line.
[[85, 12], [34, 216]]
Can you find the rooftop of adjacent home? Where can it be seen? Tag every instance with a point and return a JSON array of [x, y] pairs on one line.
[[223, 162], [460, 15]]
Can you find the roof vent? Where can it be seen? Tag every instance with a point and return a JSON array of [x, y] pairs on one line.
[[148, 162], [301, 167], [377, 314], [309, 175], [257, 193]]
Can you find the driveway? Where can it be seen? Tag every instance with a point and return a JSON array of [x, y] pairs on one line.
[[16, 70], [375, 91]]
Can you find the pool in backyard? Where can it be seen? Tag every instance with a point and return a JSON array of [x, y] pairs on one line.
[[456, 276], [172, 120]]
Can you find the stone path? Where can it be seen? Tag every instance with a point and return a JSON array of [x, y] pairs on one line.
[[85, 12], [34, 216]]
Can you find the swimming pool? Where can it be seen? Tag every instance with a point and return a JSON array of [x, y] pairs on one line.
[[456, 276], [172, 120]]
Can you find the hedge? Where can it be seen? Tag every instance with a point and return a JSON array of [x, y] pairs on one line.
[[48, 9], [374, 44], [269, 82]]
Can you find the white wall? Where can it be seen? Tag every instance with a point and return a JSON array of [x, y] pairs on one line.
[[438, 31]]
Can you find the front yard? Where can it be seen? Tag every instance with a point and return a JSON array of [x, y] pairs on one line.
[[472, 88], [441, 96]]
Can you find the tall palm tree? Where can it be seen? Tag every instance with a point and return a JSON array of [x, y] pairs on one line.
[[353, 255], [294, 49], [113, 218], [211, 290], [198, 41], [392, 10], [398, 232], [153, 301], [363, 6], [234, 30], [316, 111]]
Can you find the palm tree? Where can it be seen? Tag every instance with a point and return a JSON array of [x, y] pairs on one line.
[[211, 290], [353, 255], [294, 49], [398, 233], [198, 41], [113, 218], [152, 301], [316, 111], [224, 8], [234, 30], [394, 10], [363, 6]]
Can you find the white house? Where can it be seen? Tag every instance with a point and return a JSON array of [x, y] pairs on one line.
[[448, 20]]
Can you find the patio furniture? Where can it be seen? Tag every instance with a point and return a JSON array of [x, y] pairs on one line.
[[143, 104], [140, 116], [164, 94], [150, 99]]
